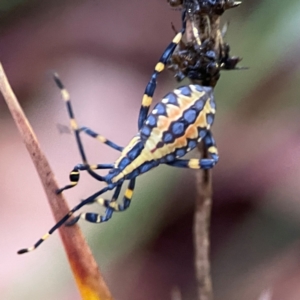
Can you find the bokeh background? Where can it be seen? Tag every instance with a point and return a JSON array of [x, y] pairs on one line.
[[105, 52]]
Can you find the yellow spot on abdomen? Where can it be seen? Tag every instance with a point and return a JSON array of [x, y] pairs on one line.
[[201, 120], [191, 132]]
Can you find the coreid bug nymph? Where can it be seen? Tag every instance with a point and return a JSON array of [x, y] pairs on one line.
[[173, 128]]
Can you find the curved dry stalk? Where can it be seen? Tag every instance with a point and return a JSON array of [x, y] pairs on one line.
[[89, 280]]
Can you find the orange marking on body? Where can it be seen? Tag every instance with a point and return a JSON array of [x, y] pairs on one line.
[[173, 112], [191, 132], [163, 123], [185, 102], [180, 142], [201, 120]]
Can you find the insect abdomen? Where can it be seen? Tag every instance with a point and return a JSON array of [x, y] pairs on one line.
[[178, 122]]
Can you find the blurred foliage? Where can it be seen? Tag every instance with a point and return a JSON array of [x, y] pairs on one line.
[[7, 5], [263, 35]]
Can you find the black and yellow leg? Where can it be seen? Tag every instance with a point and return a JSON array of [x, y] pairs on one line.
[[100, 138], [75, 174], [95, 217], [204, 163], [110, 205], [160, 66], [194, 163], [64, 219], [74, 126], [125, 202]]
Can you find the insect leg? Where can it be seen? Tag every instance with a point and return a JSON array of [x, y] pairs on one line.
[[74, 126], [111, 206], [64, 219], [160, 66], [75, 174], [204, 163], [125, 202], [100, 138]]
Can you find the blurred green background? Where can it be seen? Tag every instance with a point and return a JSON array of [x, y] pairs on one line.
[[104, 52]]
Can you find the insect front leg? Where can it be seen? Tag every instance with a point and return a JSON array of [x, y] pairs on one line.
[[160, 66]]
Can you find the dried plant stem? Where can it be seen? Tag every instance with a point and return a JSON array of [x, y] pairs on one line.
[[201, 232], [176, 294], [85, 270], [202, 212]]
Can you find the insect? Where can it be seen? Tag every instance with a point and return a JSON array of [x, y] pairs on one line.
[[173, 128]]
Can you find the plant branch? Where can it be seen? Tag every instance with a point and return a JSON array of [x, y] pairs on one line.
[[201, 231], [89, 280]]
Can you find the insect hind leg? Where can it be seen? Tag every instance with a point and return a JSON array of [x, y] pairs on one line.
[[95, 217], [64, 219], [110, 205], [125, 201], [203, 163]]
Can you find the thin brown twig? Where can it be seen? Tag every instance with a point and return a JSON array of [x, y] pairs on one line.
[[201, 231], [89, 280], [176, 293], [203, 204]]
